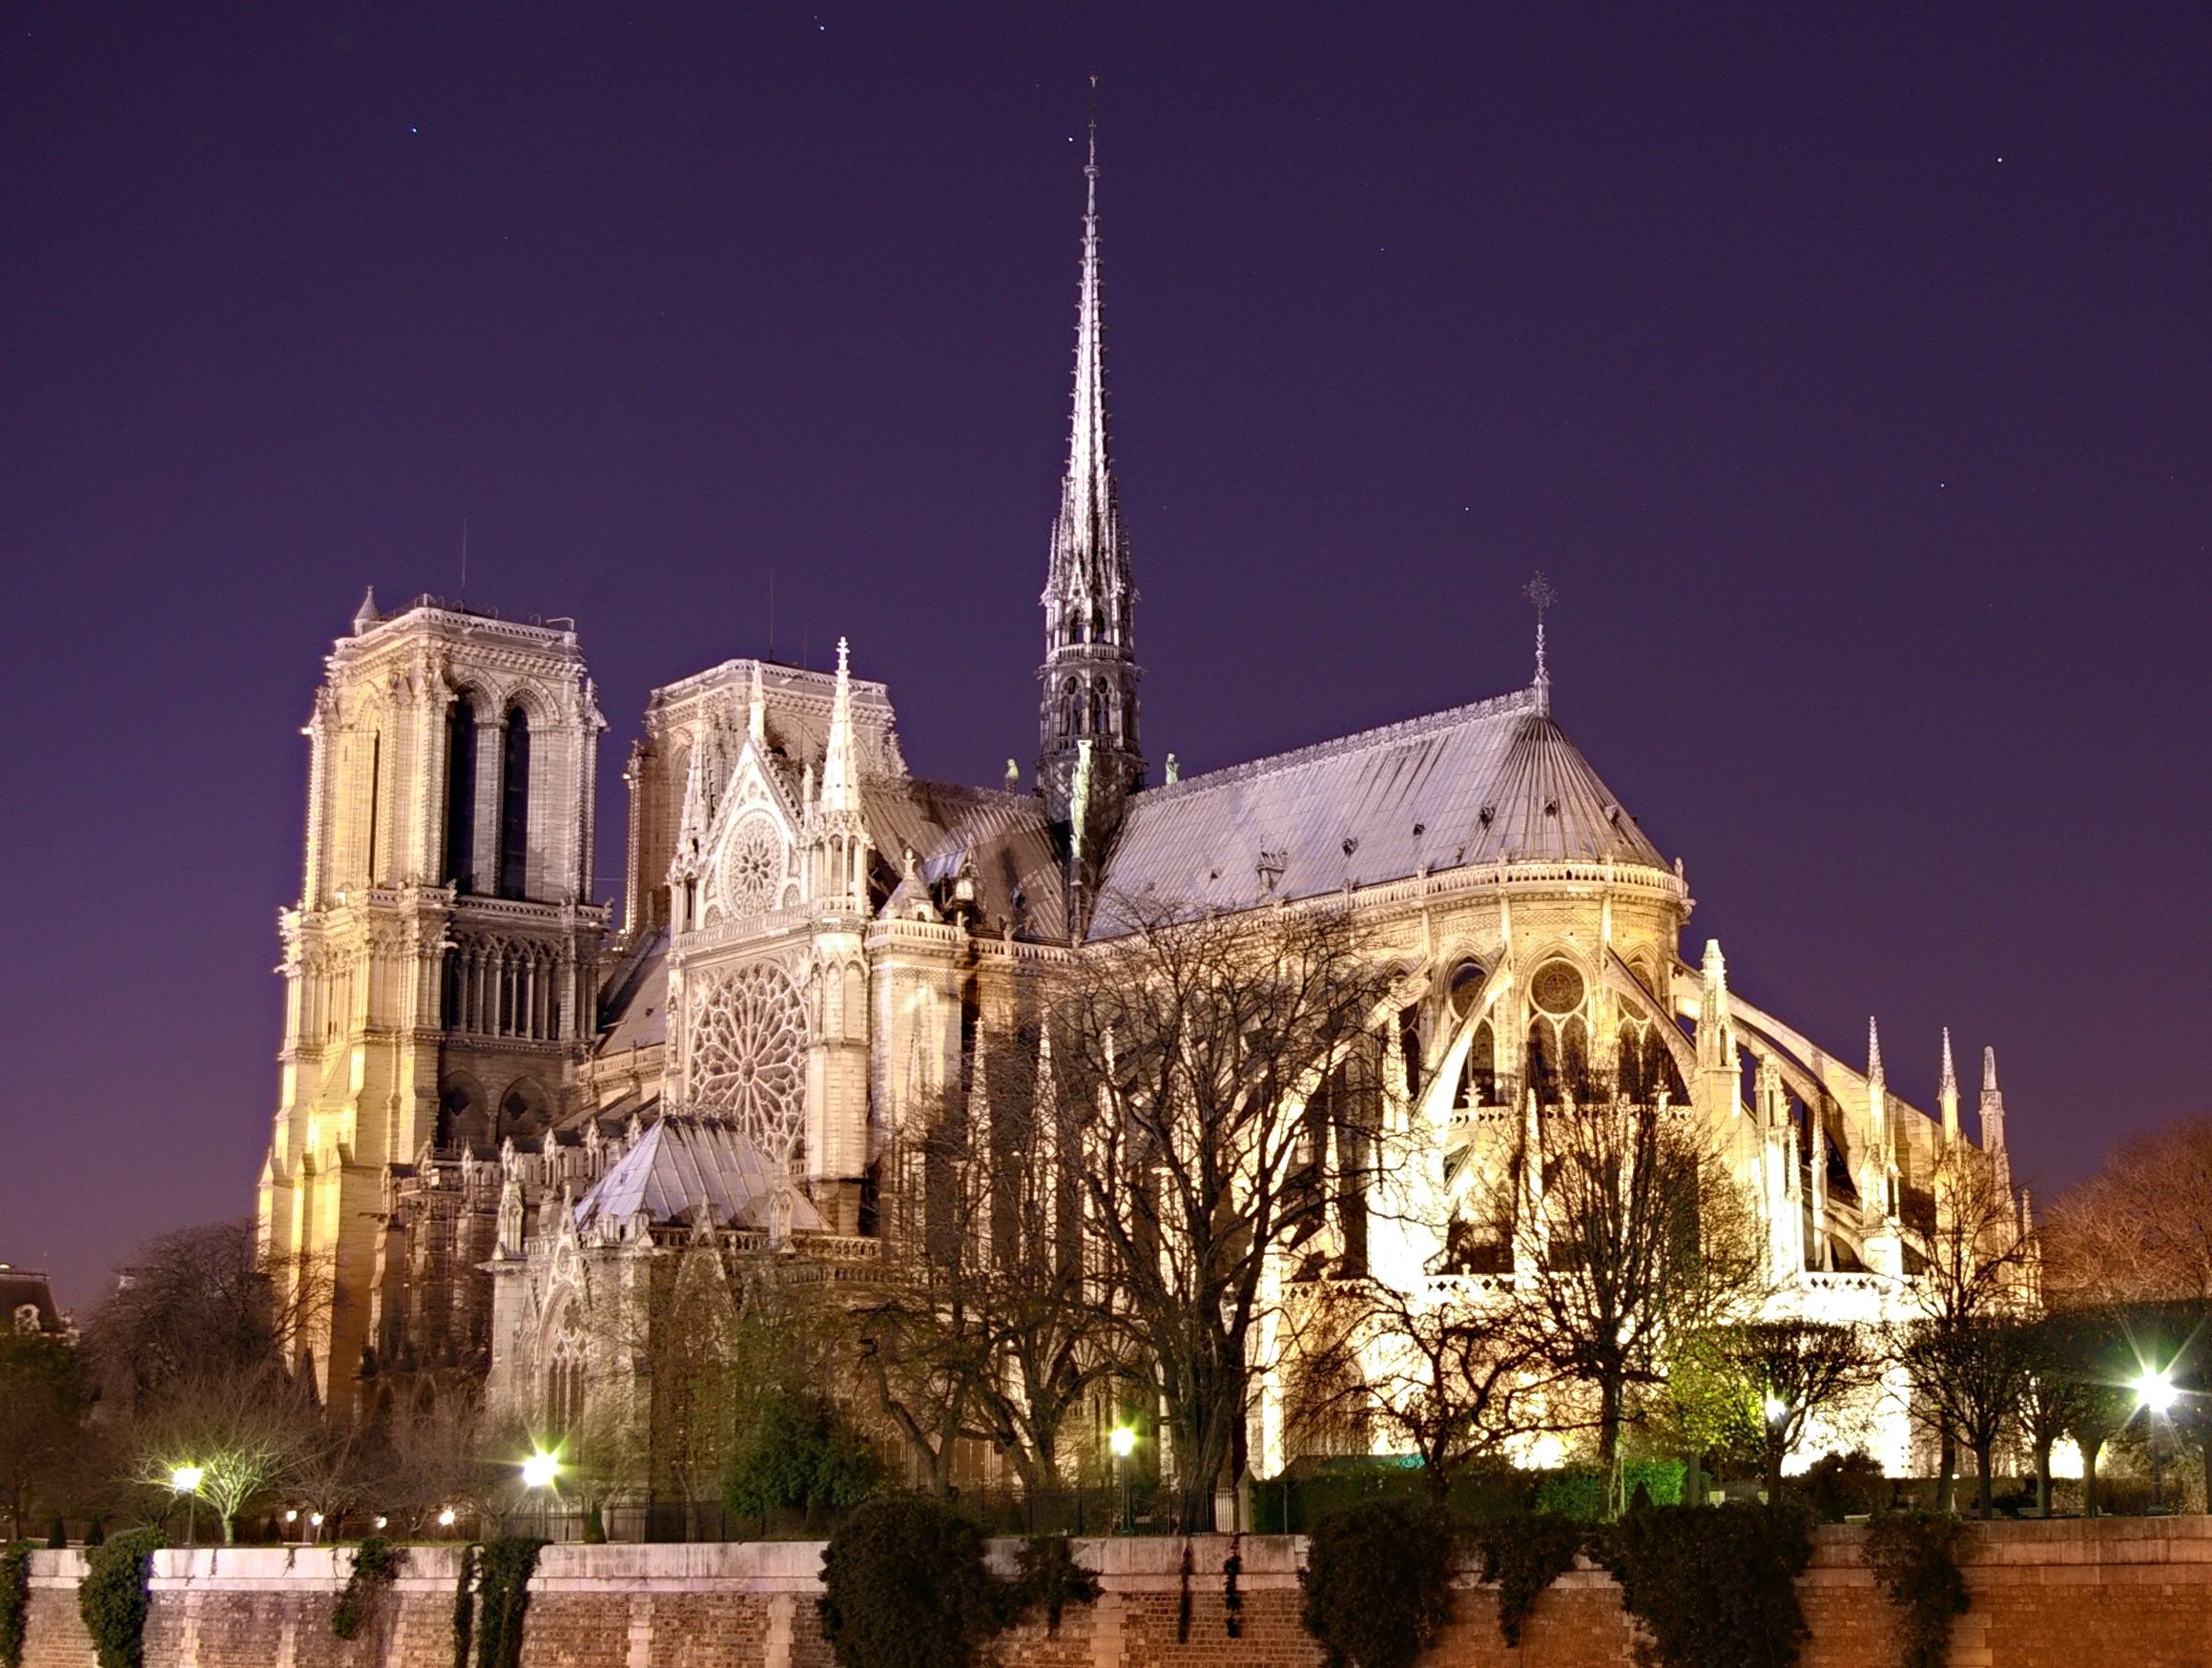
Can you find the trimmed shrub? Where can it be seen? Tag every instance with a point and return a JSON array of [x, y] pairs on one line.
[[376, 1562], [113, 1599], [803, 1455], [58, 1536], [1916, 1559], [1714, 1587], [465, 1607], [904, 1586], [1837, 1485], [1526, 1553], [503, 1593], [1378, 1584], [1581, 1492], [1050, 1580], [14, 1601]]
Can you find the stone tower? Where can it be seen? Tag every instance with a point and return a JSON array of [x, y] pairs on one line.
[[440, 965], [1089, 758]]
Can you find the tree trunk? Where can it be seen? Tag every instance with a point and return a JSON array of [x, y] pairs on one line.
[[1947, 1470], [2043, 1475], [1774, 1453], [2089, 1501], [1984, 1458]]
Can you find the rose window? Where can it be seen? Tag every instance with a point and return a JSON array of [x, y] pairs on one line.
[[748, 1056], [753, 869]]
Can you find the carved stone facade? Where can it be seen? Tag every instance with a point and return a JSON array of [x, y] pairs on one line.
[[497, 1118]]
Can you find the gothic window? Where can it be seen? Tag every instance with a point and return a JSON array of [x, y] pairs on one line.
[[1098, 708], [460, 795], [522, 1113], [753, 866], [748, 1056], [1478, 1077], [377, 806], [1463, 985], [1543, 1061], [514, 805], [1070, 709], [1556, 987], [1634, 1076], [565, 1376], [1409, 1042], [462, 1123]]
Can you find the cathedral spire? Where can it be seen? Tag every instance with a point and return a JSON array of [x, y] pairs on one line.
[[1993, 1114], [840, 775], [1947, 1094], [756, 710], [1088, 681]]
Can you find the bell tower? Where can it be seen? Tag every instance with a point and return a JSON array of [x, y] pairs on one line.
[[441, 963], [1089, 758]]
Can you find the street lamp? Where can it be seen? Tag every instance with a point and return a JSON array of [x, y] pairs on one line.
[[186, 1479], [1124, 1442], [542, 1471], [2155, 1391]]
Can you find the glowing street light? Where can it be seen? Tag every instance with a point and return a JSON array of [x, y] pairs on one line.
[[185, 1480], [1123, 1441], [541, 1471], [2155, 1391], [1777, 1410], [448, 1518]]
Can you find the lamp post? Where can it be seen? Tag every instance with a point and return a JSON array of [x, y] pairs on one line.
[[1124, 1443], [186, 1479], [1777, 1413], [2155, 1391], [541, 1472]]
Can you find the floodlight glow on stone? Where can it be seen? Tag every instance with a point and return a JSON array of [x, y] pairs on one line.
[[540, 1470]]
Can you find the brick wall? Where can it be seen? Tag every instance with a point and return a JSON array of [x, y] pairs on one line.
[[2134, 1593]]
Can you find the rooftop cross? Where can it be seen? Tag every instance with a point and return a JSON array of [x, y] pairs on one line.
[[1540, 591]]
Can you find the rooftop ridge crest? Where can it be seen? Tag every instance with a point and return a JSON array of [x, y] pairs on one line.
[[1494, 706]]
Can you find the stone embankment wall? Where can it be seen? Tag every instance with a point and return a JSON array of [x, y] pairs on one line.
[[2132, 1593]]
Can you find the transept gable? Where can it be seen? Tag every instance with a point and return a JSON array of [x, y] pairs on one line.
[[750, 852]]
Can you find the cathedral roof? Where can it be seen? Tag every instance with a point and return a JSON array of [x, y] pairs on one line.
[[683, 1162], [1475, 784], [1002, 834]]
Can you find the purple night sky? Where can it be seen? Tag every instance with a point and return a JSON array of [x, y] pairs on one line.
[[1854, 387]]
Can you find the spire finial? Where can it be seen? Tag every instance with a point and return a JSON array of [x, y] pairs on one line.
[[366, 615], [1950, 1078], [757, 709], [1540, 591], [1947, 1094], [1873, 1050]]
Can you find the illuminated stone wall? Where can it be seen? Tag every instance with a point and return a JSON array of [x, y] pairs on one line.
[[2117, 1591]]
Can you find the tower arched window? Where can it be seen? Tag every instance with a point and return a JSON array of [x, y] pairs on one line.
[[376, 806], [514, 805], [460, 795], [1479, 1077]]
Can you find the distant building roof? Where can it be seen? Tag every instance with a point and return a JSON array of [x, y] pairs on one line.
[[683, 1161], [27, 1302], [1494, 780]]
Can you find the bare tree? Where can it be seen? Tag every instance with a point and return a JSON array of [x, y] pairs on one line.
[[433, 1458], [1978, 1279], [1209, 1071], [1442, 1368], [193, 1303], [2141, 1228], [243, 1432], [1970, 1376], [1633, 1237], [1794, 1370]]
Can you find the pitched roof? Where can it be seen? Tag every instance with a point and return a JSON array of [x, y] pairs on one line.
[[1474, 784], [683, 1162], [24, 1289], [1003, 832]]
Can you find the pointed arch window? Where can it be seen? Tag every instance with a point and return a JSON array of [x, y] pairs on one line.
[[376, 806], [460, 795], [514, 805], [1478, 1077]]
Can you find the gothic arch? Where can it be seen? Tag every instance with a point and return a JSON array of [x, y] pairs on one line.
[[525, 1111], [464, 1115]]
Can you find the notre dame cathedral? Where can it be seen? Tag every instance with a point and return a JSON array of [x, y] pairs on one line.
[[493, 1087]]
